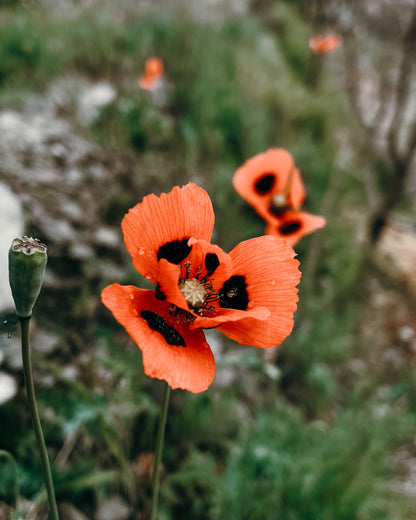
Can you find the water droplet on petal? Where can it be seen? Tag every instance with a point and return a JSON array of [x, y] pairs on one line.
[[141, 251], [273, 282], [250, 304], [148, 276]]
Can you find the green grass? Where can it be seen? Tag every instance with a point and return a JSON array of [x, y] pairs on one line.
[[283, 468]]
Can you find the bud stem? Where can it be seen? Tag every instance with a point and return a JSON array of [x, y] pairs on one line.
[[30, 390]]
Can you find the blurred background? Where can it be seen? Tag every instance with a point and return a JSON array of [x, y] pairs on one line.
[[325, 427]]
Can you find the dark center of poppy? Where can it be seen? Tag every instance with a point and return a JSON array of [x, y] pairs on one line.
[[265, 183], [199, 292], [279, 211], [158, 324], [289, 227], [174, 252], [279, 205], [233, 294]]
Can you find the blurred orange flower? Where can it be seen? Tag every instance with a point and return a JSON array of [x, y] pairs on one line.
[[272, 184], [153, 73], [249, 294], [324, 44]]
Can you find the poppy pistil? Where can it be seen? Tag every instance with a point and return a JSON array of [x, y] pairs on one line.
[[194, 292]]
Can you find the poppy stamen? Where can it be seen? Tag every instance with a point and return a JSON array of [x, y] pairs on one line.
[[211, 298], [198, 291], [187, 266], [194, 292]]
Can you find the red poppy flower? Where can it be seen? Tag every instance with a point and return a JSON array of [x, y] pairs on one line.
[[249, 294], [324, 44], [269, 181], [293, 225], [153, 73], [272, 184]]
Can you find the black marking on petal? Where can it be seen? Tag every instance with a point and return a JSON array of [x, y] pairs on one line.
[[158, 324], [233, 294], [289, 227], [265, 183], [160, 295], [211, 262], [174, 252]]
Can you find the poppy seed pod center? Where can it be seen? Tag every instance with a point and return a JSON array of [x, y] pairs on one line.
[[194, 292], [279, 200]]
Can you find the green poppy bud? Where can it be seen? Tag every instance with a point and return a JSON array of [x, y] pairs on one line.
[[27, 262]]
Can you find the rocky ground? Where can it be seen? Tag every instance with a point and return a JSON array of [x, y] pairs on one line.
[[56, 184]]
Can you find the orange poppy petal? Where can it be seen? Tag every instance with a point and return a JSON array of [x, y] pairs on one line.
[[294, 225], [171, 351], [152, 74], [198, 258], [220, 316], [271, 275], [266, 175], [168, 284], [325, 44], [160, 227], [154, 67]]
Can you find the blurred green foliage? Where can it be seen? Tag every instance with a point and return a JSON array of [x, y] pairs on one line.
[[283, 468], [309, 442], [23, 55]]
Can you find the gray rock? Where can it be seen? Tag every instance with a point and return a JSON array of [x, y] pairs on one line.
[[8, 387], [11, 349], [91, 99], [112, 509], [11, 226], [65, 184], [44, 342]]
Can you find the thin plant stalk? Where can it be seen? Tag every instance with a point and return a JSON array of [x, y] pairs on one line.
[[317, 240], [159, 450], [30, 390]]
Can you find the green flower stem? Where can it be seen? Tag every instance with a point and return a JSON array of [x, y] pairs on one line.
[[158, 451], [27, 370]]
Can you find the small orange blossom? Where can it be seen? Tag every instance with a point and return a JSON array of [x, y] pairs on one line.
[[324, 44], [153, 73]]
